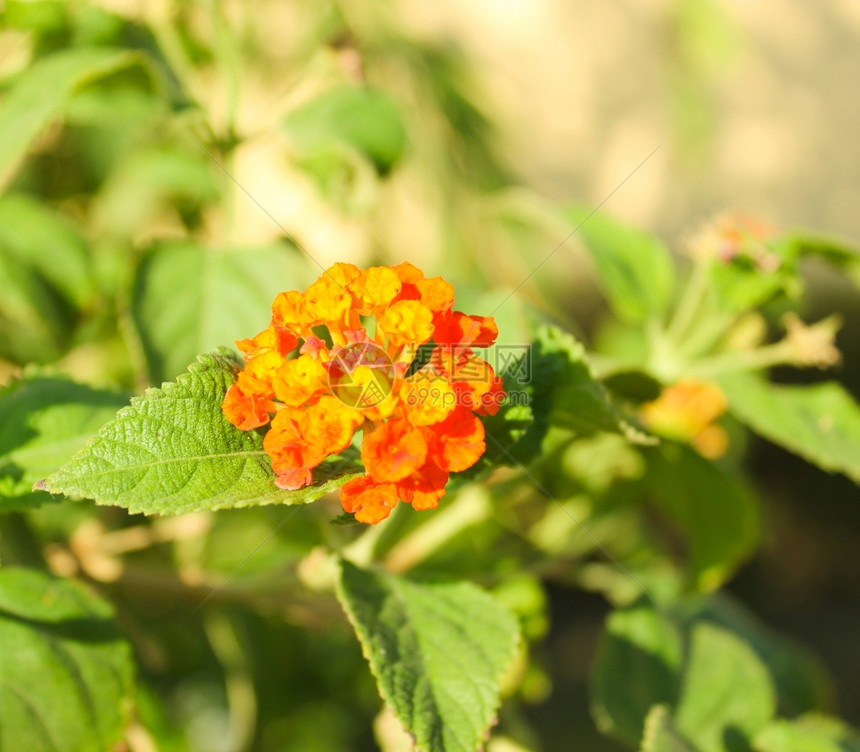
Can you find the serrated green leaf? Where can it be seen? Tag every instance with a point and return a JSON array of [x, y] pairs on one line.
[[42, 91], [635, 270], [566, 393], [172, 451], [660, 733], [226, 294], [821, 423], [548, 384], [44, 420], [364, 119], [438, 652], [719, 690], [718, 514], [65, 673], [810, 733]]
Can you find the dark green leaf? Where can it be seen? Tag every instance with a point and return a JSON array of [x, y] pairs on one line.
[[438, 653], [173, 451], [364, 119], [716, 511], [39, 96], [66, 675], [720, 673], [43, 421], [638, 665]]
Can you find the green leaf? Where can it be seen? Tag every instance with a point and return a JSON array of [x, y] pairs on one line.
[[366, 120], [44, 420], [638, 666], [716, 511], [727, 694], [566, 393], [801, 681], [811, 733], [634, 385], [821, 423], [28, 229], [660, 734], [838, 252], [438, 652], [719, 690], [66, 675], [635, 270], [40, 95], [549, 384], [189, 299], [173, 451], [148, 180], [33, 322]]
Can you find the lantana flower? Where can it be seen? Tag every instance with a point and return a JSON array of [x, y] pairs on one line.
[[687, 411], [341, 358]]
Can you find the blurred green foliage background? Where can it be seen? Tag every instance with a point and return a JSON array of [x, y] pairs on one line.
[[184, 161]]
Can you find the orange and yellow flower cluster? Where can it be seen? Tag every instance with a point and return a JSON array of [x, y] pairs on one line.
[[340, 357]]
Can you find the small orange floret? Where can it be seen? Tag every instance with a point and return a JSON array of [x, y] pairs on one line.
[[407, 321], [456, 328], [393, 450], [457, 442], [289, 311], [367, 499], [436, 294], [272, 339], [245, 411], [298, 380], [424, 488], [375, 288], [317, 376]]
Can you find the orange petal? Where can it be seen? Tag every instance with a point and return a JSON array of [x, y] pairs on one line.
[[424, 488], [367, 499], [393, 450], [244, 411], [457, 442]]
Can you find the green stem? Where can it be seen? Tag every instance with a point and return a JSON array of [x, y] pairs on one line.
[[690, 303], [777, 354]]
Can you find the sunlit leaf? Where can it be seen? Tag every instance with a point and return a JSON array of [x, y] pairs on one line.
[[438, 652], [173, 451], [810, 733], [821, 423]]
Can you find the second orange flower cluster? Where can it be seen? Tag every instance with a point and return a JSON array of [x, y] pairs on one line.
[[340, 357]]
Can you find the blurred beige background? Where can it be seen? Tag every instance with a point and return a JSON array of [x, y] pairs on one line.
[[755, 102]]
